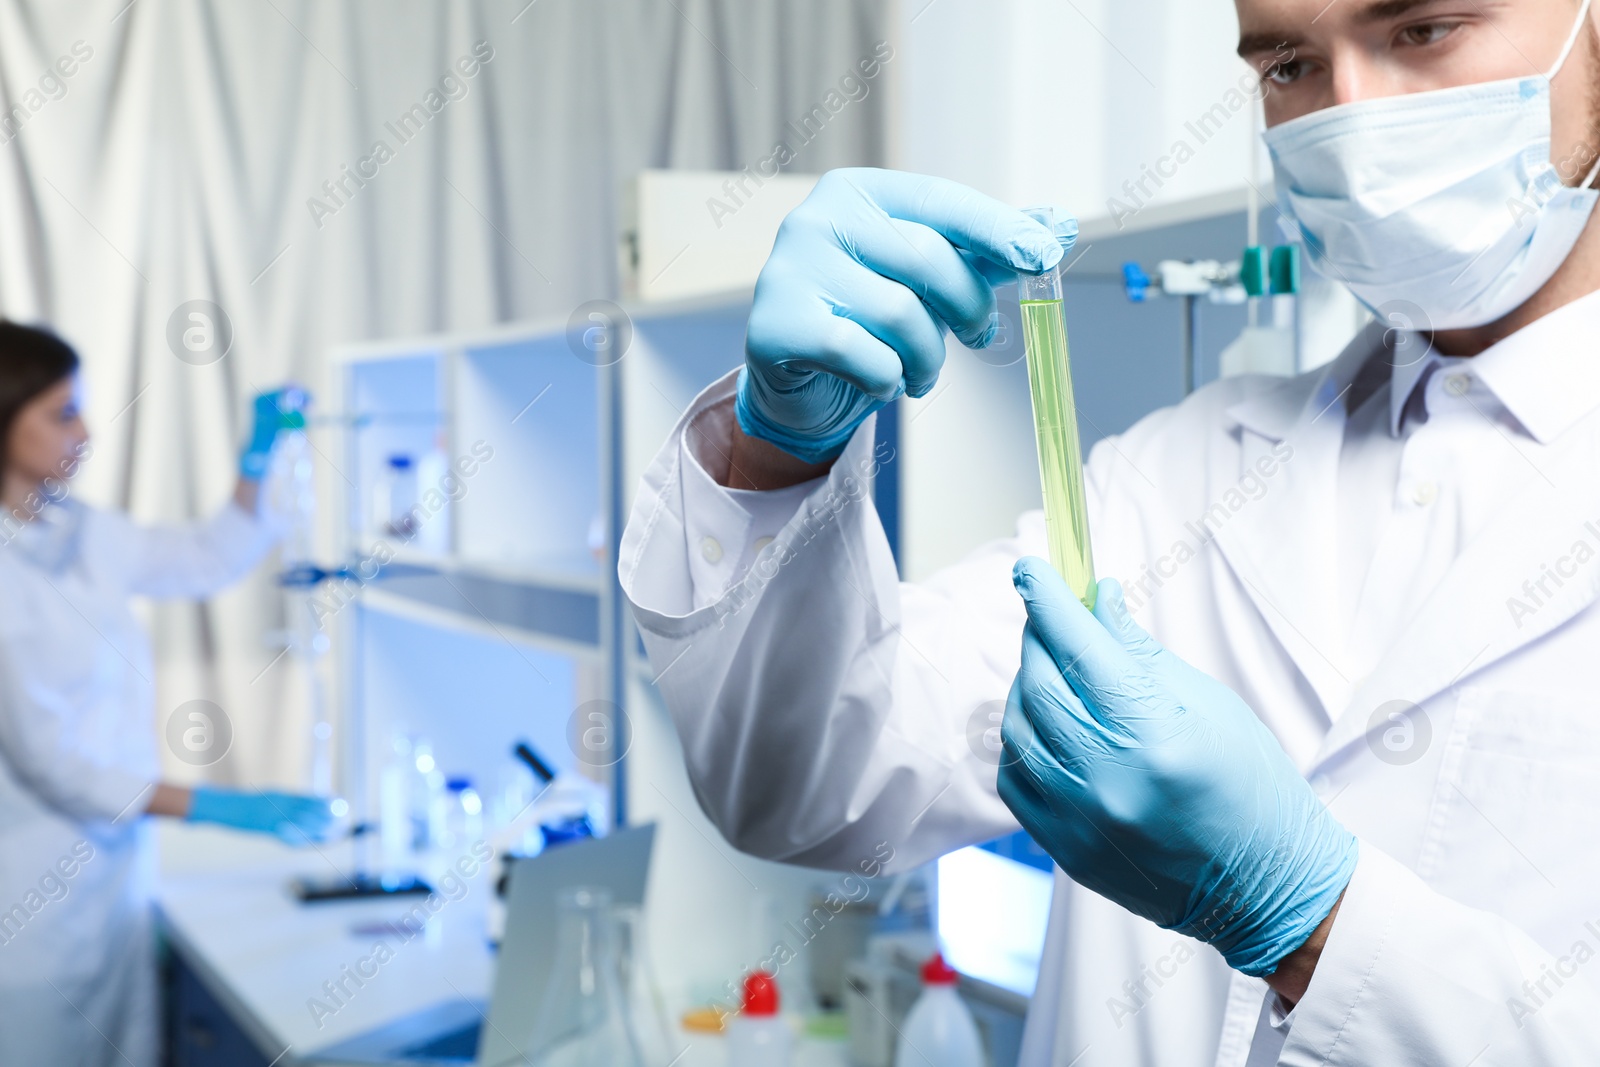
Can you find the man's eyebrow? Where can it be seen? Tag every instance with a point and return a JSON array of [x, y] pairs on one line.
[[1384, 10], [1252, 44]]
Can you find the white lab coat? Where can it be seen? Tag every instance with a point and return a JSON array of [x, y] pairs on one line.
[[825, 708], [77, 758]]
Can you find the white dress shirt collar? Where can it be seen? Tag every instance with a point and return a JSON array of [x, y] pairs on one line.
[[1546, 374]]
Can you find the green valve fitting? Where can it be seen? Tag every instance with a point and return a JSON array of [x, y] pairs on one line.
[[1285, 270], [1253, 271]]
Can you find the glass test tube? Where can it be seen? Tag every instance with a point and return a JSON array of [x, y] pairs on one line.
[[1055, 420]]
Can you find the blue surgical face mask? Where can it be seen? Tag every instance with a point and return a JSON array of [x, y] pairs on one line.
[[1445, 200]]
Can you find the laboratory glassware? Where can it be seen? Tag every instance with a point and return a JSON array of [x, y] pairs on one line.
[[584, 1019], [1055, 420], [397, 503], [463, 820], [646, 1006]]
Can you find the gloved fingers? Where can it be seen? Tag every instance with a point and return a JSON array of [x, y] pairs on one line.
[[287, 397], [786, 341], [299, 819], [965, 217], [894, 314], [1024, 754], [993, 274], [1112, 611], [998, 274], [922, 260], [1042, 711], [1062, 720], [1090, 657], [309, 833], [1018, 739], [315, 820], [1023, 789]]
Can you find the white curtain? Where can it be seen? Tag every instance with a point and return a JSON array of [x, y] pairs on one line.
[[154, 152]]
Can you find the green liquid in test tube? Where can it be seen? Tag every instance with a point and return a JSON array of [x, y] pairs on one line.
[[1055, 421]]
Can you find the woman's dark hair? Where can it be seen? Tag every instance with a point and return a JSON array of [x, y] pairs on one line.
[[31, 361]]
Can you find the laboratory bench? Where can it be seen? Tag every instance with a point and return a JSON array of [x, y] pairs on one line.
[[245, 962]]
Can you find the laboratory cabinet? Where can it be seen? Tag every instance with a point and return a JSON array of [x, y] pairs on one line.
[[495, 615], [486, 486], [200, 1032]]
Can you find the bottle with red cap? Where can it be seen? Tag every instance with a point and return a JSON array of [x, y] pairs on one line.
[[940, 1031], [758, 1036]]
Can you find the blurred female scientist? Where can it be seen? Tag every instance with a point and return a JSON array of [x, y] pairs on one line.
[[78, 761]]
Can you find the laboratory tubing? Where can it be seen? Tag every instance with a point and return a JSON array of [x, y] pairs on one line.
[[1055, 420]]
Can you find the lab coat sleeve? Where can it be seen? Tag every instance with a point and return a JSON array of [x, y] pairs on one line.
[[1410, 976], [38, 744], [195, 559], [830, 715]]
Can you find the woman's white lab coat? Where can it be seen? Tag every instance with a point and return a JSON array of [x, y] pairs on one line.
[[827, 709], [77, 757]]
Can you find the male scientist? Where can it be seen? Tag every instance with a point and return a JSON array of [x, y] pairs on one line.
[[1351, 742]]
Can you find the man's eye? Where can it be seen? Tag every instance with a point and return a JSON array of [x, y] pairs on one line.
[[1427, 33], [1286, 73]]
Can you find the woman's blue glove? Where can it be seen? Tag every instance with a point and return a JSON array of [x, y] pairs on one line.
[[852, 306], [271, 412], [1154, 785], [294, 818]]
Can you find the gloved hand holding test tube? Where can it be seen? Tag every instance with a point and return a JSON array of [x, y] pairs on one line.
[[1055, 415]]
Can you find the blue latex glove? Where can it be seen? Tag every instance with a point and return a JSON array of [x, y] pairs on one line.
[[294, 818], [271, 411], [1154, 785], [852, 306]]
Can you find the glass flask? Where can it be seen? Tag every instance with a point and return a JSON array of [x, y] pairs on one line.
[[584, 1020], [647, 1010]]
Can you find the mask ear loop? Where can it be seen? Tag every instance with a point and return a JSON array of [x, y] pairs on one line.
[[1572, 41], [1566, 52], [1594, 172]]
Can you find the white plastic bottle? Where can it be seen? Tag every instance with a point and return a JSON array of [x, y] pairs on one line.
[[939, 1032], [758, 1036]]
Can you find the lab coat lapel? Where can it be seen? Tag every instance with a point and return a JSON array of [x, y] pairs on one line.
[[1282, 547], [1487, 605]]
